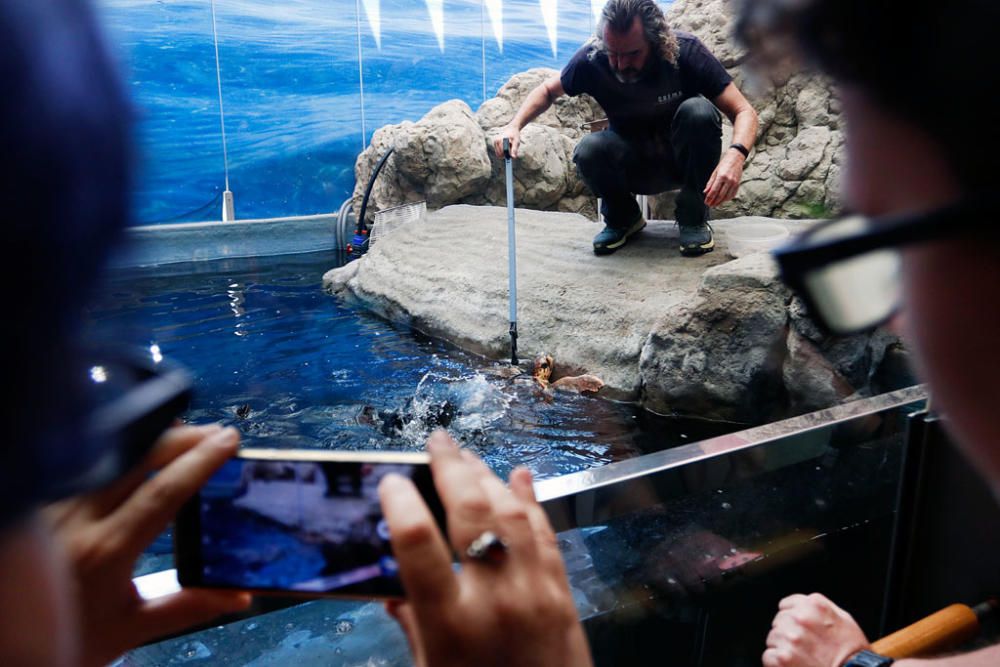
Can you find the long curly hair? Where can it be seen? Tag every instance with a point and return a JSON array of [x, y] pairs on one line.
[[618, 15]]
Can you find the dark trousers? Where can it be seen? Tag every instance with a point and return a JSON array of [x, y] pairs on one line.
[[616, 168]]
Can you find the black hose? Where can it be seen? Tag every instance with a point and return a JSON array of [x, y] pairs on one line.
[[368, 191], [184, 217]]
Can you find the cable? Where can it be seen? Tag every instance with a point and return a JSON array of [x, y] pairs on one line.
[[187, 214], [362, 225], [222, 112]]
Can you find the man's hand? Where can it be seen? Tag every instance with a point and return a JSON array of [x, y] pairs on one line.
[[725, 180], [811, 631], [104, 533], [511, 132], [518, 611]]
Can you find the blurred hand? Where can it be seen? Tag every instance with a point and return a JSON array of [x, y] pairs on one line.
[[509, 132], [725, 180], [811, 631], [103, 534], [516, 612]]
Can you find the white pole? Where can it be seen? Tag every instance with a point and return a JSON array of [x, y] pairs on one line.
[[228, 207], [361, 75]]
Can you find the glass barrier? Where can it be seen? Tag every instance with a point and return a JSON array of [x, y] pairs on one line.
[[681, 554], [692, 555]]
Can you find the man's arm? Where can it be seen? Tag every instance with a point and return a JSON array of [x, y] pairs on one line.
[[811, 631], [534, 105], [725, 180]]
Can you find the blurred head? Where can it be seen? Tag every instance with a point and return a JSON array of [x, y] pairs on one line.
[[632, 33], [917, 101], [63, 202], [63, 126]]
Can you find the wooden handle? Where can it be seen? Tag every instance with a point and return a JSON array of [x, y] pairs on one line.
[[938, 632]]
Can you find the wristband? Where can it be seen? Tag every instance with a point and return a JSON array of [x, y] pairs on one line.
[[866, 658], [741, 148]]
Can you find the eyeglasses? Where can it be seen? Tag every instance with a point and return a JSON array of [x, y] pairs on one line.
[[847, 270]]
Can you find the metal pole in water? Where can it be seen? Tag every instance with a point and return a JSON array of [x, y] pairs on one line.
[[511, 253]]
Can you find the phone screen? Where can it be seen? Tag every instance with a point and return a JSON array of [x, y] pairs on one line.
[[312, 527]]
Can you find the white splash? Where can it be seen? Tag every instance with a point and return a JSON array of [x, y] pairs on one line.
[[495, 10], [436, 9], [550, 15], [373, 10]]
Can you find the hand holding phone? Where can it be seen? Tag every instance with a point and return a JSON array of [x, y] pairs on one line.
[[296, 522], [104, 532], [517, 610]]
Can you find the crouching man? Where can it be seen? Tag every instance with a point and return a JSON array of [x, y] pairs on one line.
[[662, 92]]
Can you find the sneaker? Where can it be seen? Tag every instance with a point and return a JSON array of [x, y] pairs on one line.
[[612, 238], [696, 239]]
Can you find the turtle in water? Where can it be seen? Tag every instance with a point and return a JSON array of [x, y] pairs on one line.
[[542, 372]]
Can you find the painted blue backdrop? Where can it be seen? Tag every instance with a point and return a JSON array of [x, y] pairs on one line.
[[291, 91]]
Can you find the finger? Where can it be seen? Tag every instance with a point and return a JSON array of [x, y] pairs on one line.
[[545, 538], [146, 512], [182, 610], [469, 510], [724, 195], [403, 614], [791, 601], [772, 658], [417, 545], [512, 521], [174, 442], [515, 147], [713, 196], [711, 182]]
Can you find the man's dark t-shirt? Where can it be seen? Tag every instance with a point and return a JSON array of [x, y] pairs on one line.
[[645, 109]]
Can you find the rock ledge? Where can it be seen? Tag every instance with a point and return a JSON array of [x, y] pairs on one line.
[[700, 336]]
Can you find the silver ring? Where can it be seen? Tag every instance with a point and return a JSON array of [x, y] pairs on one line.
[[488, 548]]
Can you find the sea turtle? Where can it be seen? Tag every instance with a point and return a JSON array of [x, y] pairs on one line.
[[542, 373]]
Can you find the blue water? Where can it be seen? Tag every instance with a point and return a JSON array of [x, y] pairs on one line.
[[291, 92], [289, 366]]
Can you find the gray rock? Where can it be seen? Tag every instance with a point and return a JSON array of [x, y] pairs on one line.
[[447, 156], [790, 168], [692, 336], [719, 355], [439, 159]]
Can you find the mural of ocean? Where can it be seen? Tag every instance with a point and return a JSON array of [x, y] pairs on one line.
[[291, 78]]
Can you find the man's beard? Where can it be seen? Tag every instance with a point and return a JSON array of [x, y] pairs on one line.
[[629, 75]]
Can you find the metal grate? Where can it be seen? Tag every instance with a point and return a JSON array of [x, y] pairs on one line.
[[391, 219]]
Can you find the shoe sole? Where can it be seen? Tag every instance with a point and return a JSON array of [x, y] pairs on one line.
[[611, 247], [695, 250]]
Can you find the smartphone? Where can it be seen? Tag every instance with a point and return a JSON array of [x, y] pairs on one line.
[[297, 522]]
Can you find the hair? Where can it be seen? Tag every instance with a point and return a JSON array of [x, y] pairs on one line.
[[64, 200], [927, 62], [618, 16]]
